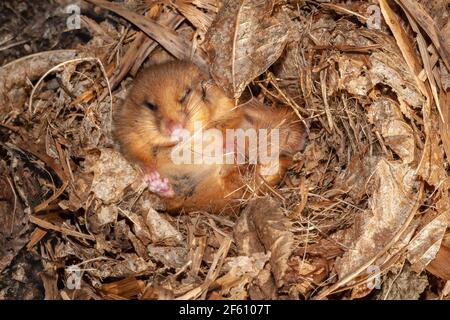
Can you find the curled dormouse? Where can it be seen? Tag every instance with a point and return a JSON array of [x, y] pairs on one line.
[[166, 107]]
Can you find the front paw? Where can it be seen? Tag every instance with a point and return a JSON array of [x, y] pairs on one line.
[[158, 185]]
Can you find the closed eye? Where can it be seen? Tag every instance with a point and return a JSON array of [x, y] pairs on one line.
[[150, 106], [186, 94]]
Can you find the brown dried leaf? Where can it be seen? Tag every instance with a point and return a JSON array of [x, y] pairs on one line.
[[78, 193], [173, 257], [106, 214], [129, 266], [14, 75], [263, 286], [140, 228], [387, 117], [432, 168], [353, 75], [156, 292], [426, 243], [353, 180], [245, 235], [407, 285], [390, 69], [272, 228], [241, 271], [305, 274], [244, 40], [361, 291], [166, 37], [246, 265], [439, 266], [392, 204], [161, 230], [112, 174], [197, 17], [422, 17], [126, 288]]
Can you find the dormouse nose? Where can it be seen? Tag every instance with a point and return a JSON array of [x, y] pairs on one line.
[[173, 125], [176, 130]]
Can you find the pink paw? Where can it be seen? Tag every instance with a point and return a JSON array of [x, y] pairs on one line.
[[158, 185]]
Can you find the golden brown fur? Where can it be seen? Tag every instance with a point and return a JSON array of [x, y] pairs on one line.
[[177, 93]]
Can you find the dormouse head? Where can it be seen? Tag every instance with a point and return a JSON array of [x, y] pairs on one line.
[[172, 96]]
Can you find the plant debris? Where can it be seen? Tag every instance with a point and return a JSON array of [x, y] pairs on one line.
[[362, 214]]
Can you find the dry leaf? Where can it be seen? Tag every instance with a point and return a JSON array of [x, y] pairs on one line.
[[439, 266], [353, 75], [407, 285], [353, 180], [426, 243], [245, 39], [391, 70], [166, 37], [432, 169], [387, 117], [246, 265], [391, 206], [112, 174], [173, 257], [129, 266], [272, 229], [161, 230]]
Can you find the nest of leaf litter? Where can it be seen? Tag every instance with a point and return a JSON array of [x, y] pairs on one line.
[[362, 213]]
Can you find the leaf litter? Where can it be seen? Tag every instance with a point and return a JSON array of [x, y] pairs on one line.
[[363, 213]]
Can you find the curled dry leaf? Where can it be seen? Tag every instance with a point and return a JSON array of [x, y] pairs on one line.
[[241, 271], [197, 17], [173, 257], [263, 286], [245, 39], [431, 168], [112, 174], [140, 228], [385, 114], [247, 265], [426, 243], [78, 192], [246, 236], [272, 230], [354, 179], [129, 266], [14, 75], [126, 288], [392, 205], [156, 292], [387, 68], [403, 285], [161, 230], [391, 70], [439, 266]]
